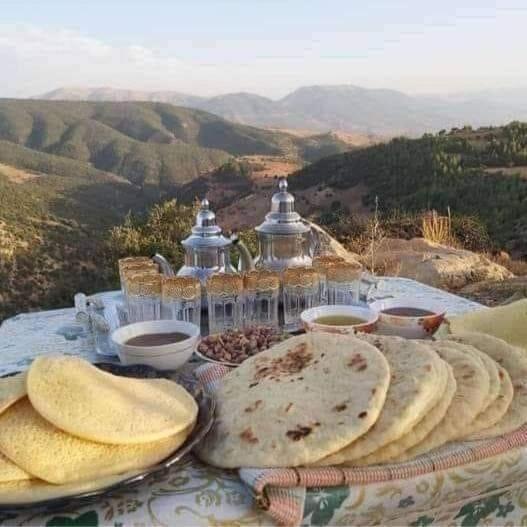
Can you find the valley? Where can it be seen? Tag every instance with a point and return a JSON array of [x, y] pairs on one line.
[[70, 172]]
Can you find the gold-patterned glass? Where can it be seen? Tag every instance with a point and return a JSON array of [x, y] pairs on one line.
[[261, 292], [181, 299], [301, 291], [225, 302]]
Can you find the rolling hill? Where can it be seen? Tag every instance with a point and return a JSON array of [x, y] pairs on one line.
[[149, 144], [346, 108], [479, 173], [69, 171]]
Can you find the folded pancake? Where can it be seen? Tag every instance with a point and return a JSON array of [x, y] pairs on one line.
[[11, 472], [52, 455], [92, 404], [35, 490], [12, 389]]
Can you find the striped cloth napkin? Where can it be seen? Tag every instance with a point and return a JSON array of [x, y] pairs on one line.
[[282, 491]]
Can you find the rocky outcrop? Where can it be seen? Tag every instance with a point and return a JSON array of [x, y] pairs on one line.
[[326, 244], [436, 265], [492, 293]]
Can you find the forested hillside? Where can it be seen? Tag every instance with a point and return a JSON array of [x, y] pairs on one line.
[[149, 144], [481, 172], [70, 171]]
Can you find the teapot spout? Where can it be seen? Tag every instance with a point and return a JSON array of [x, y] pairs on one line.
[[165, 267], [246, 259]]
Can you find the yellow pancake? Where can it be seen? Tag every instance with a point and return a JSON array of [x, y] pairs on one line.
[[12, 389], [30, 491], [52, 455], [10, 472], [92, 404]]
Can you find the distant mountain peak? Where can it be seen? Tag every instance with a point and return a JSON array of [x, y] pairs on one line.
[[343, 107]]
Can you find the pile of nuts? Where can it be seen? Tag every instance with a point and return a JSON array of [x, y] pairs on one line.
[[234, 346]]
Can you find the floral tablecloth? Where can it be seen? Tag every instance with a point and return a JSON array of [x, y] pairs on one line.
[[194, 494]]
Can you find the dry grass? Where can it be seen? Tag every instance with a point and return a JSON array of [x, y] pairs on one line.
[[17, 175], [437, 229], [517, 267]]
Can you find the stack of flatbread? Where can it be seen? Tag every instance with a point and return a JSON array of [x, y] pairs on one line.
[[68, 427], [321, 400]]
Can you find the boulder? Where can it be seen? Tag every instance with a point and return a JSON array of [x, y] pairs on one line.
[[436, 265], [492, 293], [326, 244]]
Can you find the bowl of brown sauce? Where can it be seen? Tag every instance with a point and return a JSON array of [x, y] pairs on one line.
[[162, 344], [341, 319], [408, 317]]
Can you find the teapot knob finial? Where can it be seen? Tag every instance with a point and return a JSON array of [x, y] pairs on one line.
[[282, 184], [205, 203]]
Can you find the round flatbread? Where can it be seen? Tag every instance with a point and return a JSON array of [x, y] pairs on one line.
[[494, 379], [472, 387], [431, 419], [499, 404], [481, 427], [12, 389], [11, 472], [92, 404], [514, 361], [297, 402], [484, 419], [417, 374], [52, 455]]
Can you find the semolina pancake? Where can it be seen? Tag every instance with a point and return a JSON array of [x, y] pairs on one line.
[[12, 389], [92, 404], [11, 472], [34, 490], [52, 455]]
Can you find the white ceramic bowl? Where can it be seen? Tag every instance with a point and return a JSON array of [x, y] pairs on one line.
[[418, 327], [168, 356], [369, 316]]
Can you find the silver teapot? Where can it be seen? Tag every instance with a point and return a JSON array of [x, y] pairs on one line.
[[207, 250], [285, 239]]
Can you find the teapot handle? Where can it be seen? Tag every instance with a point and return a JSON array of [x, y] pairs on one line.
[[313, 238], [246, 260]]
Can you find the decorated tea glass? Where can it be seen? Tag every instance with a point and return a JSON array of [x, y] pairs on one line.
[[344, 283], [261, 292], [225, 302], [181, 299], [321, 264], [301, 291], [144, 298], [131, 262], [135, 274]]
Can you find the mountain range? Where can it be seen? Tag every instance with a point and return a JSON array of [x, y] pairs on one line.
[[345, 108]]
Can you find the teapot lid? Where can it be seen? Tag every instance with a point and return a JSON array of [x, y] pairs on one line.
[[206, 233], [282, 219]]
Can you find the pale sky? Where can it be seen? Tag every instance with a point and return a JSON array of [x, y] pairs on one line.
[[269, 47]]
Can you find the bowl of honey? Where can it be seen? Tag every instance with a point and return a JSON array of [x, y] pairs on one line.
[[341, 319]]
